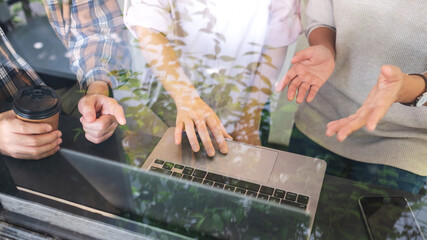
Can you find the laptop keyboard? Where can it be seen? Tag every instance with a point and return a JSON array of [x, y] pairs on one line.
[[230, 184]]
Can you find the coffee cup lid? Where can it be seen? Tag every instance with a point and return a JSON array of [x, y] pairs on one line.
[[36, 102]]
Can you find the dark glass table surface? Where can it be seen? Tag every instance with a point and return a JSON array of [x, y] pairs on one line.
[[338, 215]]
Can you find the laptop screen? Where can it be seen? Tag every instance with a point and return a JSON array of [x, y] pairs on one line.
[[187, 208]]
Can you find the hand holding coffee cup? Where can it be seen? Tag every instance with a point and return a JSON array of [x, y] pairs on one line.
[[31, 134]]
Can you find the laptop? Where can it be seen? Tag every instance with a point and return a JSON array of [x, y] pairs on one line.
[[182, 209], [257, 172]]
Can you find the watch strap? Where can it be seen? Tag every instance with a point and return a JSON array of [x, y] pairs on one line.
[[414, 104]]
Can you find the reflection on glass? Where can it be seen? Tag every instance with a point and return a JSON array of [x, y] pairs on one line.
[[187, 208], [390, 218], [216, 69]]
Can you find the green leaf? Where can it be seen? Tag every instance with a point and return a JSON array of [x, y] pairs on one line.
[[220, 36], [78, 132], [180, 32], [210, 56], [227, 58], [125, 99], [206, 30], [254, 44], [238, 66], [200, 223], [270, 64], [179, 43], [217, 222], [252, 66], [267, 58], [266, 80], [266, 91], [217, 49], [234, 88], [252, 89], [178, 52], [251, 53], [153, 62]]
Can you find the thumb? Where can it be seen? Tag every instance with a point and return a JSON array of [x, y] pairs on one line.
[[302, 55], [87, 108], [390, 72]]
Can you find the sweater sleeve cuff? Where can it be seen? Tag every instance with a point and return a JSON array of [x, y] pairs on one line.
[[98, 74], [312, 28]]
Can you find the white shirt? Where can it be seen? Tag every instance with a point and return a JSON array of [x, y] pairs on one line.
[[220, 44]]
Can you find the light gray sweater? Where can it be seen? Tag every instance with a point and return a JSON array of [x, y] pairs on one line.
[[370, 34]]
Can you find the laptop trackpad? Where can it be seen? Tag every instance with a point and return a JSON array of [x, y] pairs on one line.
[[242, 161]]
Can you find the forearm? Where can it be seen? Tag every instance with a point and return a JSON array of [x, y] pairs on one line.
[[98, 87], [163, 60], [323, 36], [412, 87]]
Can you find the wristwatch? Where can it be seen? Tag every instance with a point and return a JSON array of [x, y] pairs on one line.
[[422, 99]]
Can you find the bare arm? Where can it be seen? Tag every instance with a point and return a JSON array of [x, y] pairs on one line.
[[162, 58], [193, 113], [323, 36]]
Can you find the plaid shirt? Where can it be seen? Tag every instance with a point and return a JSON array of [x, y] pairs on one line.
[[94, 34], [15, 73]]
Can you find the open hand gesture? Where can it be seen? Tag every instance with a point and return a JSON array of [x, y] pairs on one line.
[[382, 96], [311, 68]]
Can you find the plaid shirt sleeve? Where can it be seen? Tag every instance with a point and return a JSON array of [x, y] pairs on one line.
[[15, 72], [94, 33]]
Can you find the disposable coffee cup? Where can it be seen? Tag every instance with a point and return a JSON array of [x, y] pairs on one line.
[[38, 104]]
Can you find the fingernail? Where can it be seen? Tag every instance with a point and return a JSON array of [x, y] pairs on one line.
[[49, 128], [211, 153], [224, 150], [276, 86], [59, 141], [195, 148], [59, 134]]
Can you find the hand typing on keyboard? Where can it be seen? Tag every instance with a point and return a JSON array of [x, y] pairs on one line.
[[201, 144], [197, 115]]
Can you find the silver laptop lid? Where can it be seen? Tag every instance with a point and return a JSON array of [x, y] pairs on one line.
[[188, 208]]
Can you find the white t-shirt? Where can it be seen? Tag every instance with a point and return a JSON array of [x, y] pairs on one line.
[[221, 43]]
